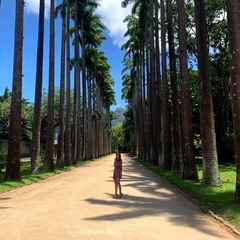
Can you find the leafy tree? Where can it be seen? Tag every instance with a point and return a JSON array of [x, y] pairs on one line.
[[117, 136], [6, 95], [128, 128], [56, 108], [113, 115], [5, 104], [3, 159], [26, 116], [27, 120]]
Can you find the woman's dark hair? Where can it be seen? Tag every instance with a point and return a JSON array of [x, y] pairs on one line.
[[118, 154]]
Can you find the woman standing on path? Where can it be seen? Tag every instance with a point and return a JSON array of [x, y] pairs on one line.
[[117, 175]]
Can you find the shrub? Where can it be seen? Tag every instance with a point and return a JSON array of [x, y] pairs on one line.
[[3, 159]]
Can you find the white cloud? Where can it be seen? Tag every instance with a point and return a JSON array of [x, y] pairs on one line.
[[32, 6], [112, 16], [110, 10]]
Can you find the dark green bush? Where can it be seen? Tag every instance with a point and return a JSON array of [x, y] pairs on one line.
[[3, 159]]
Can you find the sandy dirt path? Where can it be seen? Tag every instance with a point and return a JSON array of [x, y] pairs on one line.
[[78, 205]]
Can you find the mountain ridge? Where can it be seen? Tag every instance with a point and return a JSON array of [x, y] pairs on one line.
[[120, 117]]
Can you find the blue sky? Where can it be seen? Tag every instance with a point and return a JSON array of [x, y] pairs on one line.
[[112, 16]]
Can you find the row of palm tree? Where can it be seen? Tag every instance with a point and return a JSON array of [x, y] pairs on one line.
[[160, 102], [83, 133]]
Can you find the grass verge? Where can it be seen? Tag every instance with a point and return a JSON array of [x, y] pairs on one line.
[[218, 200], [27, 178]]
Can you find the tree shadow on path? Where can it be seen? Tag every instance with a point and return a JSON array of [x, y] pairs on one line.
[[156, 198]]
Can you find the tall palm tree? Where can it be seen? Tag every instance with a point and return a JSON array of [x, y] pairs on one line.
[[91, 36], [166, 132], [49, 154], [87, 35], [13, 171], [64, 144], [60, 155], [154, 131], [158, 84], [84, 88], [189, 161], [209, 150], [176, 140], [76, 137], [95, 62], [36, 134], [67, 155], [90, 77], [93, 29], [104, 97], [136, 51], [127, 81], [233, 8]]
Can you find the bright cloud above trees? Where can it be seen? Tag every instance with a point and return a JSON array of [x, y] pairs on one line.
[[110, 10], [32, 6], [112, 16]]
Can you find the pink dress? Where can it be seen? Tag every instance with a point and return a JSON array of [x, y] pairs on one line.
[[117, 172]]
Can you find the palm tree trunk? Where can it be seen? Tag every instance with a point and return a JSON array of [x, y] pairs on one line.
[[209, 150], [36, 147], [158, 87], [165, 95], [84, 92], [189, 161], [67, 159], [76, 111], [233, 8], [13, 171], [49, 162], [152, 89], [144, 126], [176, 140], [94, 137], [89, 147], [60, 156], [148, 120]]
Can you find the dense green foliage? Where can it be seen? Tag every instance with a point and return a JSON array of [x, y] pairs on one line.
[[3, 159], [117, 137], [27, 116], [27, 113]]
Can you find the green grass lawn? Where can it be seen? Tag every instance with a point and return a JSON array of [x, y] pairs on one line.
[[219, 200]]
